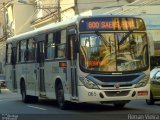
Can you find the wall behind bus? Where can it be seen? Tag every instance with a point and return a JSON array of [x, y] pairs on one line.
[[23, 15], [85, 5]]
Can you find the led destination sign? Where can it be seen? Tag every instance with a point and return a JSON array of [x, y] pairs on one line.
[[110, 23]]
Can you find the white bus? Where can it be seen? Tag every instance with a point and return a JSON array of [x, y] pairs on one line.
[[87, 59]]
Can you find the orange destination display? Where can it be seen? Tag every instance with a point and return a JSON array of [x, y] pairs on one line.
[[111, 24]]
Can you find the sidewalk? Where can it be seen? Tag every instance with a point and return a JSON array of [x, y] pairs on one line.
[[7, 94]]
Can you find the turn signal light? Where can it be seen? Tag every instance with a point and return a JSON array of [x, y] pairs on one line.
[[142, 93]]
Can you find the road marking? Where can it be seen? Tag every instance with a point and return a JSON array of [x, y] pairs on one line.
[[36, 107]]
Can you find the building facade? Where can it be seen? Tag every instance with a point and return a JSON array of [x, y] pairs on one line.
[[25, 15], [19, 16]]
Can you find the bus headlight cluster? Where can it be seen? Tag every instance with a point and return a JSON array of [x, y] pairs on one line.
[[143, 82], [88, 83]]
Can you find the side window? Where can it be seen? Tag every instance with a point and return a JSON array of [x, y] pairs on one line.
[[61, 45], [14, 56], [71, 47], [50, 47], [18, 52], [23, 54], [8, 53], [31, 50]]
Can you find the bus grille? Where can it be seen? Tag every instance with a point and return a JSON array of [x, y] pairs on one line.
[[112, 79], [121, 85], [116, 93]]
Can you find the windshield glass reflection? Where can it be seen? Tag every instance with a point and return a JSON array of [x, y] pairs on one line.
[[113, 52]]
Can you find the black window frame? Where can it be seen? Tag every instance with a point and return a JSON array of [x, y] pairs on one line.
[[33, 50], [49, 45]]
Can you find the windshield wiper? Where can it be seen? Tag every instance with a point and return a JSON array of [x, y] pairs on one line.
[[104, 41], [125, 37], [102, 38]]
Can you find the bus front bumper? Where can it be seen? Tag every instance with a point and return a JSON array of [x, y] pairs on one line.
[[121, 94]]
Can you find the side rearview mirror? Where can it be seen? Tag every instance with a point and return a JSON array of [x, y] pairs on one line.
[[157, 77]]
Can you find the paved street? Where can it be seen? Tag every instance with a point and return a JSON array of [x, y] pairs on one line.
[[10, 104]]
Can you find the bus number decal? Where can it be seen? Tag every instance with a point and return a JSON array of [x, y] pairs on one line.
[[93, 25]]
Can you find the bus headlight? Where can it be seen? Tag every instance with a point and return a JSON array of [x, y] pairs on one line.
[[143, 82], [88, 83]]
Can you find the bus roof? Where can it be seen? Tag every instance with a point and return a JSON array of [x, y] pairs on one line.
[[55, 26], [49, 27]]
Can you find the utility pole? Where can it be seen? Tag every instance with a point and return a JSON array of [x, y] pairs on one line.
[[4, 15], [76, 7], [59, 11]]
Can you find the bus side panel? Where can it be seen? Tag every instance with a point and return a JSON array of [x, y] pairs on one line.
[[31, 79], [9, 79], [52, 73], [20, 75], [50, 76]]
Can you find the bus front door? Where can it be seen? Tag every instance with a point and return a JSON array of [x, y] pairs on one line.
[[13, 73], [40, 68], [72, 58]]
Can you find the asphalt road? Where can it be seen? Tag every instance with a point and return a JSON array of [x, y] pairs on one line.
[[12, 108]]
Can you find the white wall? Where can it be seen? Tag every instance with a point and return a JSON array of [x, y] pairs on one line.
[[66, 4], [23, 15], [85, 5], [67, 9], [2, 54], [1, 30]]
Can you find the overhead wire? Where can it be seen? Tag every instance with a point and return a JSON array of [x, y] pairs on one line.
[[72, 2], [129, 9], [144, 6], [124, 10], [27, 21], [119, 8], [80, 3], [108, 6]]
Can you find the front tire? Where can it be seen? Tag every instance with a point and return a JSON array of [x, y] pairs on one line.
[[25, 98], [119, 105], [151, 100], [60, 97]]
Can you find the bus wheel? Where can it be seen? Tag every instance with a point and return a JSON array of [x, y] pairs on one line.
[[25, 98], [151, 100], [60, 97], [119, 105]]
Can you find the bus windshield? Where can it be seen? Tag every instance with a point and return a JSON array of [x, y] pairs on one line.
[[113, 52]]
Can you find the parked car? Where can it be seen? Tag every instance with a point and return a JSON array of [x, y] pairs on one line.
[[2, 81], [155, 86]]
